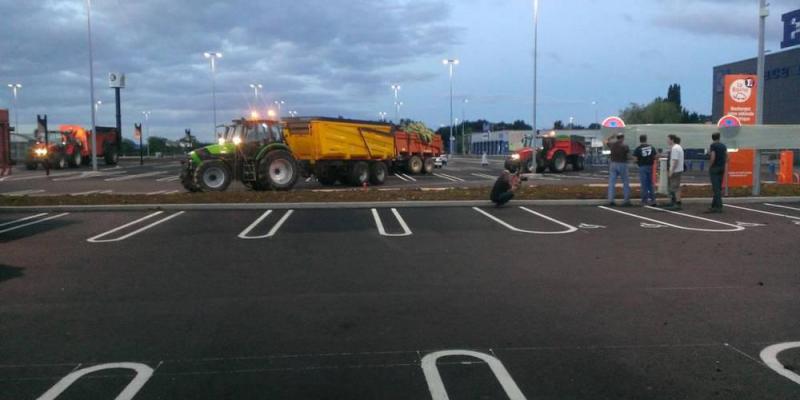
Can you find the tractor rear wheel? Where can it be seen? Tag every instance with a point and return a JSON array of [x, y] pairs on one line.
[[358, 174], [278, 170], [377, 173], [213, 176], [428, 166], [77, 159], [559, 162], [578, 163], [415, 165]]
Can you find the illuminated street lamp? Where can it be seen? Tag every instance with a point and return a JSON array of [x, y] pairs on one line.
[[463, 126], [279, 103], [256, 87], [213, 56], [451, 63], [15, 88], [147, 125], [383, 116], [397, 103], [292, 113]]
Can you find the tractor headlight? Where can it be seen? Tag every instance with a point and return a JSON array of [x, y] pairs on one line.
[[221, 141], [515, 156], [40, 152], [237, 140]]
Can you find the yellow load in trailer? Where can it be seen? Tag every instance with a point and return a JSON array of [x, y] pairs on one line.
[[353, 152]]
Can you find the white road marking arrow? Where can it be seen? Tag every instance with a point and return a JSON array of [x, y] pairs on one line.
[[652, 226], [590, 226]]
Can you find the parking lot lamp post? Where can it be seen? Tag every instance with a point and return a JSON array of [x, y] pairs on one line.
[[280, 104], [451, 63], [213, 56], [91, 84], [535, 58], [147, 127], [256, 87], [15, 88], [397, 103], [463, 127]]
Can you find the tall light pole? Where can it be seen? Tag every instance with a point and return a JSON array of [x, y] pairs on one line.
[[535, 59], [383, 116], [256, 87], [91, 84], [280, 104], [594, 103], [463, 127], [397, 104], [292, 113], [451, 63], [14, 88], [213, 56], [147, 127], [763, 13]]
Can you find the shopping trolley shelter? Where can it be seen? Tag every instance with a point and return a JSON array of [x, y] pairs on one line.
[[527, 301]]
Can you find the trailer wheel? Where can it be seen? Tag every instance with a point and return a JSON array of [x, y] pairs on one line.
[[358, 174], [278, 169], [212, 176], [559, 162], [428, 166], [111, 156], [415, 165], [377, 173]]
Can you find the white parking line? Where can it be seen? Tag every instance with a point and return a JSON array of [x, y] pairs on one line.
[[489, 177], [400, 176], [382, 231], [764, 212], [97, 239], [165, 166], [448, 177], [784, 207], [90, 174], [271, 233], [23, 192], [436, 385], [22, 219], [770, 357], [570, 228], [734, 228], [407, 178], [42, 176], [92, 192], [33, 222], [169, 179], [136, 176], [143, 374]]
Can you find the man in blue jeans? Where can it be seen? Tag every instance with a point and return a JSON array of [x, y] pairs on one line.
[[620, 153], [645, 156]]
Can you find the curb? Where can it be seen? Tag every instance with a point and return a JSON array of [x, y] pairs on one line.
[[354, 205]]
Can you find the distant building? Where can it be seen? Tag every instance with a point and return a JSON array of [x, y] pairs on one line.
[[781, 89], [506, 142]]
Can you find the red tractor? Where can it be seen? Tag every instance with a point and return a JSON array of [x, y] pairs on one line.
[[555, 154], [70, 146]]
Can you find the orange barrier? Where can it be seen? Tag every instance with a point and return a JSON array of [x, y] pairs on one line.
[[786, 172], [740, 168]]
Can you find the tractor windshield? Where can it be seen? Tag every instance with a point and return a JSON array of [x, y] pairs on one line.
[[264, 132]]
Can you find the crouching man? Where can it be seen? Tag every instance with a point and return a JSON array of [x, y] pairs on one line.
[[504, 188]]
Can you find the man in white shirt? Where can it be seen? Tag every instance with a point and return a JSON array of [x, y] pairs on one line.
[[675, 172]]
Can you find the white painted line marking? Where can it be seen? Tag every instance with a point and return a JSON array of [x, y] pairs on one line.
[[409, 178], [33, 223], [271, 233], [169, 179], [784, 207], [436, 385], [382, 231], [651, 226], [42, 176], [156, 193], [165, 166], [489, 177], [136, 176], [22, 219], [97, 239], [400, 176], [173, 192], [570, 228], [770, 357], [749, 224], [143, 374], [23, 192], [591, 226], [92, 192], [90, 174], [763, 212], [449, 177], [734, 228]]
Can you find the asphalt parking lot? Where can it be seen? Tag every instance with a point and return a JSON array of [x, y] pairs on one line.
[[158, 177], [409, 303]]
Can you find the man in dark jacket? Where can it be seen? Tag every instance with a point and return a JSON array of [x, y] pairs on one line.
[[719, 158], [645, 156], [503, 190]]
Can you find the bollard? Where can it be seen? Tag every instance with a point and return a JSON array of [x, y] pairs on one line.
[[662, 176]]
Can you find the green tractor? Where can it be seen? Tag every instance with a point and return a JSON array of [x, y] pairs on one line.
[[252, 151]]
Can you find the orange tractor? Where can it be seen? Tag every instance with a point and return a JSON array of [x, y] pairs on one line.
[[555, 154]]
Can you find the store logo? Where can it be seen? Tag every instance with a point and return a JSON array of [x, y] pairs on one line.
[[791, 29], [741, 90]]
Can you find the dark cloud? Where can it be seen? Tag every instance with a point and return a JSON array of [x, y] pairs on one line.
[[322, 57]]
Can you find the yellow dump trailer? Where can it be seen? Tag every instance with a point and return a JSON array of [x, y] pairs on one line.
[[353, 152]]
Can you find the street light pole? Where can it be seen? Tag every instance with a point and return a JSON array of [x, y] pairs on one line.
[[256, 87], [463, 127], [763, 13], [91, 84], [396, 89], [14, 88], [451, 63], [535, 58], [213, 56], [594, 103], [383, 116], [279, 103], [147, 124]]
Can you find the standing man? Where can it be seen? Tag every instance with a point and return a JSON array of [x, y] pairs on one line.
[[675, 172], [719, 159], [620, 153], [645, 156]]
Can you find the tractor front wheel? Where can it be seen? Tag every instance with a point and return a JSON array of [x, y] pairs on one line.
[[213, 176]]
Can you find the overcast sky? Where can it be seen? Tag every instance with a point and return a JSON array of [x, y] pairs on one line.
[[339, 57]]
